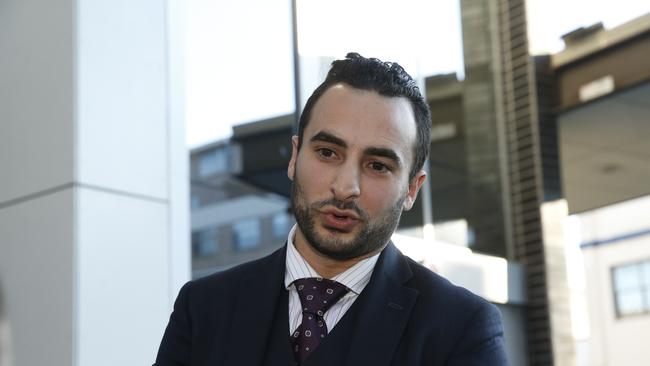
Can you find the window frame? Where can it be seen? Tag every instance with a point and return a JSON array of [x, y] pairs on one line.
[[643, 288]]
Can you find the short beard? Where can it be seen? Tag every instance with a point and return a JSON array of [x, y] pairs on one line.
[[372, 237]]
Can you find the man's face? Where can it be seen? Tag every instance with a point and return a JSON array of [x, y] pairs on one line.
[[350, 177]]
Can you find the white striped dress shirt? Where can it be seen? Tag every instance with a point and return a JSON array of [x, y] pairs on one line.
[[355, 278]]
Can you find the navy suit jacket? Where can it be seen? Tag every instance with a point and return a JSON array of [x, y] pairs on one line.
[[407, 315]]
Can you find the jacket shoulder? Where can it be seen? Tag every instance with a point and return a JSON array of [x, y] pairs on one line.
[[226, 282], [434, 287], [466, 326]]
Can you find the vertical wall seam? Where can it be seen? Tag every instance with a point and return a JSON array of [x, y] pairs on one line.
[[168, 121], [75, 178]]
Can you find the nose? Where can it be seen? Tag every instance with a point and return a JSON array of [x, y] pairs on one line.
[[345, 184]]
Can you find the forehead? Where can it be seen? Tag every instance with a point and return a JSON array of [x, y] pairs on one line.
[[364, 119]]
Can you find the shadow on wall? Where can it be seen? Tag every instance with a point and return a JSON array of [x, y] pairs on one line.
[[5, 337]]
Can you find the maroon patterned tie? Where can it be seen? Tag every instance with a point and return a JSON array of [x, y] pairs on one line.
[[316, 296]]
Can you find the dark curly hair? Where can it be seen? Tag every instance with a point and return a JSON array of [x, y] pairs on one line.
[[387, 79]]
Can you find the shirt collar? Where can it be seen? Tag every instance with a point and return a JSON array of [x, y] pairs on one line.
[[355, 278]]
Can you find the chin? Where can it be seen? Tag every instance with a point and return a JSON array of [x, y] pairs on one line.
[[335, 233], [338, 246]]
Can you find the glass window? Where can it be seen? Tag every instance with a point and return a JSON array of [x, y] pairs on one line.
[[247, 234], [195, 202], [627, 277], [204, 242], [280, 225], [646, 272], [215, 161], [630, 302], [632, 288]]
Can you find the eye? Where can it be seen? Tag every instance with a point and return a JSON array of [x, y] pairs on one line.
[[325, 153], [379, 167]]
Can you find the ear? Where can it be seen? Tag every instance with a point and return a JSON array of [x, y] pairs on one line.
[[291, 170], [414, 188]]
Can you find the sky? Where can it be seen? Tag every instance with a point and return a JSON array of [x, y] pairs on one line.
[[238, 54]]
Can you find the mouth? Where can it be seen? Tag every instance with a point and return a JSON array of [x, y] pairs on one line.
[[341, 214], [339, 221]]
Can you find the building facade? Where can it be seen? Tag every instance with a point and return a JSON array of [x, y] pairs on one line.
[[603, 103], [486, 158], [239, 196]]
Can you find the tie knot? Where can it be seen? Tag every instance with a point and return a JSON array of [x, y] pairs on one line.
[[317, 294]]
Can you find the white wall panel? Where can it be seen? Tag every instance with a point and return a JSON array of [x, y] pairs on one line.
[[615, 220], [122, 105], [123, 271], [179, 191], [93, 178], [36, 270], [36, 96], [620, 231]]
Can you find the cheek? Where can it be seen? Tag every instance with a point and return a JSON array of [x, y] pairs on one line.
[[379, 195], [312, 178]]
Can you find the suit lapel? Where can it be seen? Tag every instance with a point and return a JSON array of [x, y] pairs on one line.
[[385, 310], [278, 350], [254, 311]]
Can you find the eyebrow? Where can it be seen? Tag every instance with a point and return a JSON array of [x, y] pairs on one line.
[[374, 151], [328, 137], [383, 152]]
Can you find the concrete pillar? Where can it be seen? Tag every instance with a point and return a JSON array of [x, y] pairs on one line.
[[554, 218], [93, 178]]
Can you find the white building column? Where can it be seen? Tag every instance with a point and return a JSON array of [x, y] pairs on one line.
[[93, 178]]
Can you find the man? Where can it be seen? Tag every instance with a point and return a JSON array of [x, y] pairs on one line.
[[339, 293]]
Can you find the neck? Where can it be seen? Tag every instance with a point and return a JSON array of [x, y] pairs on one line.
[[323, 265]]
